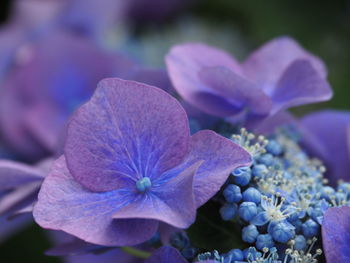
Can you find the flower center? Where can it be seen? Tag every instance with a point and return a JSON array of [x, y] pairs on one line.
[[144, 184]]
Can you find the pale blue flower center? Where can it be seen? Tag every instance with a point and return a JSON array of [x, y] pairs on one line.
[[144, 184]]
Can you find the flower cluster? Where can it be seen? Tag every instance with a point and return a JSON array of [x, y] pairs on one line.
[[113, 156]]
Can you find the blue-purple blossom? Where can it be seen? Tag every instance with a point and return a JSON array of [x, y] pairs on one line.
[[277, 76], [336, 235], [130, 162], [327, 135]]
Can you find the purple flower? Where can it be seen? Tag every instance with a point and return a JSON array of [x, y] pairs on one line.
[[166, 255], [327, 135], [19, 185], [49, 79], [336, 234], [130, 162], [277, 76]]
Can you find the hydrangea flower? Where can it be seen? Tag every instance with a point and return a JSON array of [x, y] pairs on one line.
[[336, 234], [49, 79], [19, 185], [277, 76], [327, 134], [130, 162]]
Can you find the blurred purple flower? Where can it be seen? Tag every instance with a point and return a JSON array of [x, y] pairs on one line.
[[130, 162], [336, 234], [327, 135], [277, 76], [166, 255], [19, 186], [50, 79]]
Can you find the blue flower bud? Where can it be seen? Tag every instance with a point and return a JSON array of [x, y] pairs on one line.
[[310, 228], [232, 193], [189, 252], [266, 159], [247, 211], [228, 211], [259, 170], [242, 176], [264, 241], [274, 147], [252, 195], [282, 232], [249, 233], [299, 242], [236, 255]]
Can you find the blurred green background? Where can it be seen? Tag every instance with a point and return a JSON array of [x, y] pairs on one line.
[[323, 27]]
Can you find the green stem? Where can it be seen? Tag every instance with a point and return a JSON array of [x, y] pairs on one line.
[[136, 252]]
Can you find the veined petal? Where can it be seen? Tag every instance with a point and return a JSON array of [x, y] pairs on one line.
[[170, 200], [267, 64], [63, 204], [300, 84], [336, 234], [184, 62], [127, 131]]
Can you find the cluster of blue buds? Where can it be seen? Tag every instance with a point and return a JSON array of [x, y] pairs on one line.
[[279, 202]]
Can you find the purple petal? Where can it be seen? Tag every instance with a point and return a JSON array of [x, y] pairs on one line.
[[336, 234], [240, 92], [65, 205], [220, 157], [171, 202], [267, 64], [184, 63], [22, 197], [166, 255], [300, 84], [270, 124], [328, 137], [126, 131], [14, 174]]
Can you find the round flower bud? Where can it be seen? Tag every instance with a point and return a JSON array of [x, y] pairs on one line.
[[249, 233], [264, 241], [228, 211], [252, 195], [282, 232], [232, 193], [247, 211], [259, 170], [299, 242], [266, 159], [242, 176], [310, 228], [274, 147]]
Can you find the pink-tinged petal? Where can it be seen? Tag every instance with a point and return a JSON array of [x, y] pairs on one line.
[[220, 157], [126, 131], [166, 255], [184, 62], [326, 133], [171, 201], [63, 204], [336, 235], [241, 92], [267, 64], [300, 84], [14, 174]]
